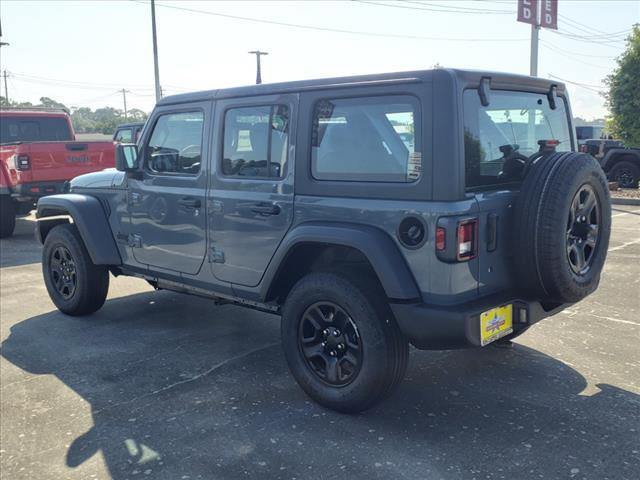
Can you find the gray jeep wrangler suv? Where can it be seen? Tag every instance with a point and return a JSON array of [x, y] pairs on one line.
[[440, 208]]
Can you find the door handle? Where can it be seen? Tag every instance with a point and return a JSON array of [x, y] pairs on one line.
[[266, 209], [190, 202]]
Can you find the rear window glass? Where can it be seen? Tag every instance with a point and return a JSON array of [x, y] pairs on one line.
[[33, 129], [507, 131], [372, 139]]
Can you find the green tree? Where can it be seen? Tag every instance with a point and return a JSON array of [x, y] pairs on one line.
[[623, 97]]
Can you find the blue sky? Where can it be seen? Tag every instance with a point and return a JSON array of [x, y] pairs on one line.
[[81, 53]]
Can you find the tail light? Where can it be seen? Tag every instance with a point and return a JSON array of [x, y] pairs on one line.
[[22, 162], [467, 245], [441, 239]]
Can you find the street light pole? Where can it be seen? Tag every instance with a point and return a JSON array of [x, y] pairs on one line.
[[155, 51], [258, 54]]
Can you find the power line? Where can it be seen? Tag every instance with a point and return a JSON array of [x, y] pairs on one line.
[[435, 7], [582, 85], [334, 30], [582, 62], [588, 55]]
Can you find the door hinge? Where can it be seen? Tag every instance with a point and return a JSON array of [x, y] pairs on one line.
[[215, 206], [135, 241], [216, 255]]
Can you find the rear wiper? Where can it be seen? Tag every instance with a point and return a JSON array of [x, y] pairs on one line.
[[11, 143]]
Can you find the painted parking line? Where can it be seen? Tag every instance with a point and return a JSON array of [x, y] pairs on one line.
[[620, 247], [625, 213]]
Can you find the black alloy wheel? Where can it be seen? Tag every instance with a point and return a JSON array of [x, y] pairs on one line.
[[624, 177], [63, 272], [583, 230], [330, 343]]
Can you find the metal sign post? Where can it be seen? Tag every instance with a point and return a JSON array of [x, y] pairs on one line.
[[538, 13]]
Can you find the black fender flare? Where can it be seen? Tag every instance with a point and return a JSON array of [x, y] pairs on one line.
[[613, 155], [89, 217], [376, 245]]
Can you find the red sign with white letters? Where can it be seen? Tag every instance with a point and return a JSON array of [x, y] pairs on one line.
[[528, 11], [549, 14]]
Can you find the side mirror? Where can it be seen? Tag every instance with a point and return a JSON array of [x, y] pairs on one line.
[[126, 157]]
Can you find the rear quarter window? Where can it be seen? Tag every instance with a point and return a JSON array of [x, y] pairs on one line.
[[367, 139]]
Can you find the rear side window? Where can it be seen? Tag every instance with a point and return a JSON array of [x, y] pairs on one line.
[[175, 145], [33, 129], [368, 139], [256, 141], [506, 130]]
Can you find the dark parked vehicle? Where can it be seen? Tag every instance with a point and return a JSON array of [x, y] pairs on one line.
[[621, 164], [128, 132], [443, 208]]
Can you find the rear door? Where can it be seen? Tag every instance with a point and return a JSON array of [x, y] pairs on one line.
[[251, 199], [498, 138], [167, 201]]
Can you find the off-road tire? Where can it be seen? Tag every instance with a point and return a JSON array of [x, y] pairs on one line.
[[384, 348], [540, 242], [91, 281], [626, 174], [7, 216]]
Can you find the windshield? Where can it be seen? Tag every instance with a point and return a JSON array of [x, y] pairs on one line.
[[33, 129], [508, 129]]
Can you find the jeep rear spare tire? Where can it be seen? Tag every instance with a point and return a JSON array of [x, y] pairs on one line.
[[562, 227]]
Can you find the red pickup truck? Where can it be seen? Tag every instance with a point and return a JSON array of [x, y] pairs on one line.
[[38, 154]]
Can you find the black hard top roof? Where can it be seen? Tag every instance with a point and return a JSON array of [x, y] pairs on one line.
[[498, 79]]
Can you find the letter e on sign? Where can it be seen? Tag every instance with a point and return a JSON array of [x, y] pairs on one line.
[[528, 11], [549, 14]]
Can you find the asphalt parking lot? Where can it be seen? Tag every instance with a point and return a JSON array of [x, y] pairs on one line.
[[159, 385]]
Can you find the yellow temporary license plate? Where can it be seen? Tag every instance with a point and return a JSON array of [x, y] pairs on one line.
[[495, 324]]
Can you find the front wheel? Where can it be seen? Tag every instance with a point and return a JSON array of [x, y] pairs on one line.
[[342, 344], [75, 284]]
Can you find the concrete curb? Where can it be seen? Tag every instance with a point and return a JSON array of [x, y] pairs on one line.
[[625, 201]]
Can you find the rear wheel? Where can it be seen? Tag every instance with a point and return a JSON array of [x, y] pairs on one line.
[[341, 342], [626, 174], [7, 216], [75, 284]]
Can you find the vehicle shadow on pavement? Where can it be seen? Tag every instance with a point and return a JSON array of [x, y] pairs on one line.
[[22, 247], [180, 388]]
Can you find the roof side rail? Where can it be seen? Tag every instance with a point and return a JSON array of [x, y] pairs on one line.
[[35, 109]]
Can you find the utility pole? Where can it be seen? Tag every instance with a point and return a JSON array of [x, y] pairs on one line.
[[258, 54], [124, 98], [155, 51], [6, 92]]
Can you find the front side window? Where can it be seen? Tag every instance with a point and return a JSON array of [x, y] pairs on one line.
[[374, 139], [498, 138], [123, 135], [175, 145], [256, 141]]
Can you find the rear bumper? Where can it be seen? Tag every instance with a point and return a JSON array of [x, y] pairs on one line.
[[34, 190], [430, 327]]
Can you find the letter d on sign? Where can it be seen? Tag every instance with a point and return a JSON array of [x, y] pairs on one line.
[[528, 11]]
